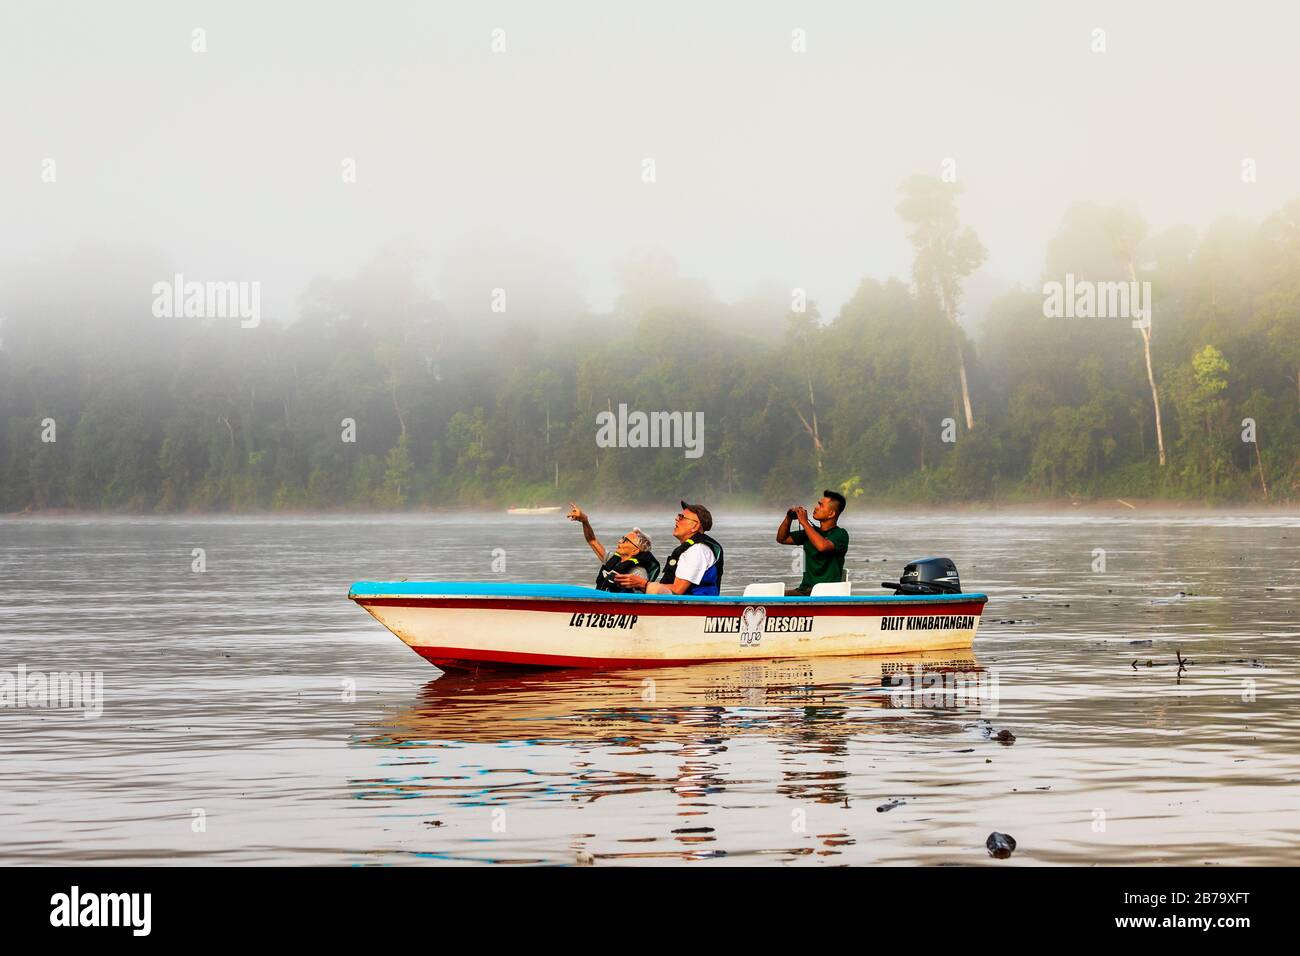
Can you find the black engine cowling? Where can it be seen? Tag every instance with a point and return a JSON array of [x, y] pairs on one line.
[[927, 576]]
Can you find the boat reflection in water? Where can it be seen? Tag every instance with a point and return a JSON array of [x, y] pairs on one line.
[[830, 697], [673, 744]]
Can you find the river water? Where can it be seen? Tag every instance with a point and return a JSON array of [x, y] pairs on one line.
[[252, 714]]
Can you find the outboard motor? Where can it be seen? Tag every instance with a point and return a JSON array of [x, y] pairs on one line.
[[927, 576]]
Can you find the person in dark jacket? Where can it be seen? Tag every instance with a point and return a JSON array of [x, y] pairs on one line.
[[631, 559]]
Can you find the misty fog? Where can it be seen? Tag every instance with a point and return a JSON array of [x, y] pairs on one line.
[[231, 229], [522, 168]]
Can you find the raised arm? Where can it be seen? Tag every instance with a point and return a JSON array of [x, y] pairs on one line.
[[575, 514], [783, 531], [815, 537]]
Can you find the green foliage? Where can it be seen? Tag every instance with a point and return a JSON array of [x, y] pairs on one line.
[[398, 473], [179, 415]]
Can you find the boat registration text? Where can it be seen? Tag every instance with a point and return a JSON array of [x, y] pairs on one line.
[[593, 619], [927, 622]]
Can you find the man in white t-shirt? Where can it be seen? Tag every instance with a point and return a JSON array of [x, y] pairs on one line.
[[696, 566], [694, 561]]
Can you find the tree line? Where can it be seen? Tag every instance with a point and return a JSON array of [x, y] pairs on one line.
[[376, 396]]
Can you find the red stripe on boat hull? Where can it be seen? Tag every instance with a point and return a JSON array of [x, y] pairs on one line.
[[463, 659], [460, 658]]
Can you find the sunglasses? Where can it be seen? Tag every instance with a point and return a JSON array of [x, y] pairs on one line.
[[682, 516]]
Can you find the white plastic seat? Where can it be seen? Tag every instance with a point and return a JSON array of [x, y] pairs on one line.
[[775, 589], [832, 589]]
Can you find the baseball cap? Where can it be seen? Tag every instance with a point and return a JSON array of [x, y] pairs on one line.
[[701, 512]]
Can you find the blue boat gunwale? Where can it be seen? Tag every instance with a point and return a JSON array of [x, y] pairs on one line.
[[572, 592]]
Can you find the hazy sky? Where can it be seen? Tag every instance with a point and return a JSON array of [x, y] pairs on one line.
[[771, 165]]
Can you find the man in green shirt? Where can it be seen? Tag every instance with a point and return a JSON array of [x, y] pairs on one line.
[[824, 547]]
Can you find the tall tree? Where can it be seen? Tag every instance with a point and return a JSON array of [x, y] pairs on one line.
[[1102, 243], [945, 255], [1280, 251], [1126, 231], [802, 335]]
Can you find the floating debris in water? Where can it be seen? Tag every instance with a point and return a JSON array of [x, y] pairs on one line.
[[1001, 736], [890, 805], [1183, 663], [1000, 845]]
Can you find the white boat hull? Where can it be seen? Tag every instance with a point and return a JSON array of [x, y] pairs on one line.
[[469, 625]]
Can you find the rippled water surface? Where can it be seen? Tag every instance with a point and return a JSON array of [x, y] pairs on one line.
[[252, 714]]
